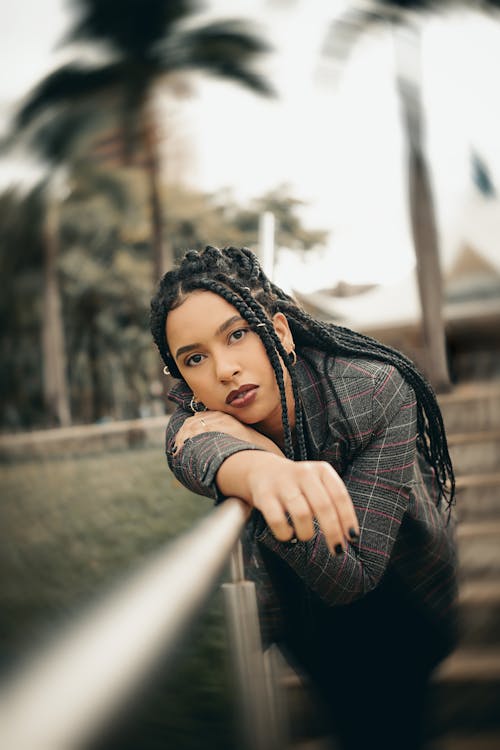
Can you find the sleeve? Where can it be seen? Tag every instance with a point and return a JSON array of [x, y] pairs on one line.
[[196, 464], [379, 482]]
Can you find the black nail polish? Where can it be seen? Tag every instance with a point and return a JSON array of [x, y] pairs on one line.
[[353, 535], [339, 549]]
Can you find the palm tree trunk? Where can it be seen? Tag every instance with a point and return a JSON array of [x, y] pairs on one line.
[[162, 257], [428, 271], [96, 385], [423, 221], [55, 391]]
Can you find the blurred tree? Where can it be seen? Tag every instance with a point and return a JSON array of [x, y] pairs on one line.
[[61, 141], [290, 231], [197, 219], [142, 43], [21, 271], [106, 298], [405, 18]]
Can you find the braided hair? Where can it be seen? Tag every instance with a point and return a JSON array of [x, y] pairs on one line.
[[235, 275]]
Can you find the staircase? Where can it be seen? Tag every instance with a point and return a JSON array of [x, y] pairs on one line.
[[466, 691], [464, 703]]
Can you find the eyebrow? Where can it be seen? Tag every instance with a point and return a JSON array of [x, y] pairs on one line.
[[223, 327]]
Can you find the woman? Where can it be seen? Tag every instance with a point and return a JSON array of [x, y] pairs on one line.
[[338, 444]]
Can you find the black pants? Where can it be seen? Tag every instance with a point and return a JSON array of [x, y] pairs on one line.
[[369, 662]]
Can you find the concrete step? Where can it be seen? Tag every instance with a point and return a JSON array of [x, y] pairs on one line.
[[318, 743], [469, 741], [479, 549], [475, 740], [478, 497], [464, 698], [465, 693], [475, 452], [479, 613], [471, 407]]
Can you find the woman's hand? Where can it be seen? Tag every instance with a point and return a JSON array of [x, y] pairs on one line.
[[279, 488], [218, 421], [297, 490]]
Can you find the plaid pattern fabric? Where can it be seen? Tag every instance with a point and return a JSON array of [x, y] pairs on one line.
[[359, 416]]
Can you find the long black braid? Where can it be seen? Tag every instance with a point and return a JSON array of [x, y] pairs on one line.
[[236, 276]]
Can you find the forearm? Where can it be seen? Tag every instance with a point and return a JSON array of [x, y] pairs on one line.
[[196, 461], [216, 454], [236, 474]]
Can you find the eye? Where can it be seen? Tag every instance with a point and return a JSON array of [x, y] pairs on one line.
[[194, 360], [238, 335]]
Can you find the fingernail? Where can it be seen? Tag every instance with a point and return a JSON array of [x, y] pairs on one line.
[[339, 549], [353, 534]]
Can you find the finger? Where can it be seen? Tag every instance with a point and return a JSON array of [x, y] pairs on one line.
[[301, 516], [324, 510], [275, 517], [342, 502]]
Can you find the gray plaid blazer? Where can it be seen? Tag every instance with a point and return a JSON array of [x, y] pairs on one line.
[[371, 443]]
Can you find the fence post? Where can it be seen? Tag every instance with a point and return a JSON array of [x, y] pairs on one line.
[[261, 724]]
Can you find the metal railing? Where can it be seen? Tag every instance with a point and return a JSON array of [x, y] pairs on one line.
[[66, 696]]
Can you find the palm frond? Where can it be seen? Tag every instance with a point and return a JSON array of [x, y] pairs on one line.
[[131, 26], [230, 36], [344, 32], [224, 49], [414, 5], [69, 83], [59, 135]]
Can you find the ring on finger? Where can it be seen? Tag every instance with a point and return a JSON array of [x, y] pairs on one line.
[[203, 422]]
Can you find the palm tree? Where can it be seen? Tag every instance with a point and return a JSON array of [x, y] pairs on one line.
[[404, 17], [145, 43]]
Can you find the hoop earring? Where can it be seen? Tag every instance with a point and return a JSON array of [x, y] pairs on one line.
[[293, 357], [196, 406], [166, 371]]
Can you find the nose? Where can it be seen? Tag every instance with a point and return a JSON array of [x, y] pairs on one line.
[[225, 367]]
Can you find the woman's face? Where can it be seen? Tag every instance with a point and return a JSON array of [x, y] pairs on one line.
[[224, 362]]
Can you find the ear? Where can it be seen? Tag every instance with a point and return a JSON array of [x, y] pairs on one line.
[[283, 331]]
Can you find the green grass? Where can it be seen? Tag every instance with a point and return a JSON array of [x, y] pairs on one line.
[[69, 528]]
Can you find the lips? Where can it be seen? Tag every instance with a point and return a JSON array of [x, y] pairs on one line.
[[240, 392]]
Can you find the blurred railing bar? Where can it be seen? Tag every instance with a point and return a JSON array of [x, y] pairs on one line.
[[67, 696]]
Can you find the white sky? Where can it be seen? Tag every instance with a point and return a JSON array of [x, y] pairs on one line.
[[339, 147]]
